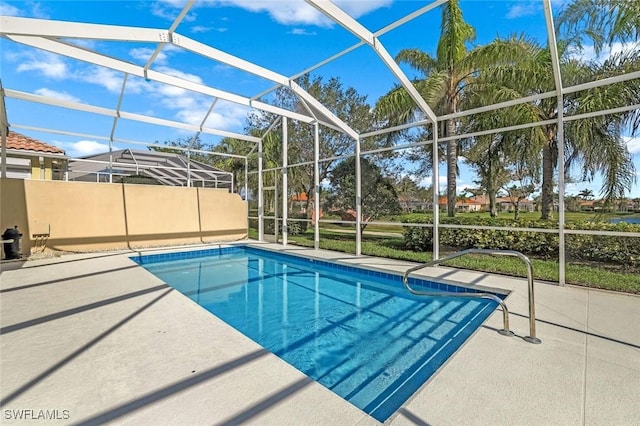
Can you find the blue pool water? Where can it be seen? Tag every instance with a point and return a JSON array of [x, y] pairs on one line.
[[357, 332]]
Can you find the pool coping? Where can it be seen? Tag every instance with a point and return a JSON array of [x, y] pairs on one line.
[[583, 372], [372, 272]]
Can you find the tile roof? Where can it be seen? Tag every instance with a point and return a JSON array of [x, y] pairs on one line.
[[25, 143]]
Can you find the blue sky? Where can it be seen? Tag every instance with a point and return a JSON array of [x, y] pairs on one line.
[[286, 36]]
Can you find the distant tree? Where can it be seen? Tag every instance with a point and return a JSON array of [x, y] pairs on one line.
[[586, 194], [345, 102], [425, 195], [407, 191], [378, 193], [138, 179], [232, 164], [572, 203], [517, 193], [524, 177], [487, 158], [197, 144]]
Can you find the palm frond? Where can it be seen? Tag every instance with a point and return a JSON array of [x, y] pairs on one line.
[[454, 35], [603, 21], [417, 59]]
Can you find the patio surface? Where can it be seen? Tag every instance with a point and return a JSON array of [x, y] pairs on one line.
[[94, 339]]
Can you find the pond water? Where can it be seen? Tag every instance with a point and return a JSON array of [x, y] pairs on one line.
[[634, 220]]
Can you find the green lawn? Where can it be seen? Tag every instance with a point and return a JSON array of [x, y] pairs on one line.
[[544, 269]]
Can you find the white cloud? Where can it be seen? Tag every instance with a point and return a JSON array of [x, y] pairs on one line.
[[109, 79], [633, 144], [180, 74], [174, 3], [170, 102], [9, 10], [201, 29], [227, 116], [34, 10], [588, 52], [292, 12], [169, 10], [523, 8], [37, 11], [426, 181], [83, 148], [302, 31], [143, 54], [49, 64], [58, 95]]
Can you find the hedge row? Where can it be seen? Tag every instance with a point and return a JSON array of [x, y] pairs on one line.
[[601, 248]]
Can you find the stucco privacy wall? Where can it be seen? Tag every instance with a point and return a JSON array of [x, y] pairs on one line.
[[82, 216]]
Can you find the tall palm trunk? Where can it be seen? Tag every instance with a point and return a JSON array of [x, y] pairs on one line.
[[452, 159], [548, 167], [452, 164]]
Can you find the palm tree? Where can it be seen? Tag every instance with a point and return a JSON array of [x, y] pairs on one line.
[[592, 145], [604, 21], [444, 79], [586, 194], [232, 164], [444, 83]]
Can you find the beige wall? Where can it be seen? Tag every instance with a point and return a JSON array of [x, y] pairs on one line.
[[82, 216]]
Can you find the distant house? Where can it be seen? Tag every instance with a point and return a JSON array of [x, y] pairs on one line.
[[467, 205], [28, 158], [415, 204], [480, 203], [298, 203], [587, 205], [506, 205]]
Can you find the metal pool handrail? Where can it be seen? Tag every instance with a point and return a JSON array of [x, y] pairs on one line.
[[532, 314]]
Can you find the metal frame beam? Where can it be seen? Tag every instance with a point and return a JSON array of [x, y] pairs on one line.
[[347, 22], [13, 25], [85, 55], [30, 97], [4, 130], [557, 78], [173, 27], [303, 94], [285, 181], [378, 33]]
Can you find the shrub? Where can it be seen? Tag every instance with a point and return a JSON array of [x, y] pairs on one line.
[[618, 250], [297, 226], [604, 248]]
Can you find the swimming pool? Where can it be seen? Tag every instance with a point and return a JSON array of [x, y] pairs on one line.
[[357, 332]]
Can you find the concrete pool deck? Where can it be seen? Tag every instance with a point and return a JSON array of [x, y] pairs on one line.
[[93, 338]]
